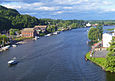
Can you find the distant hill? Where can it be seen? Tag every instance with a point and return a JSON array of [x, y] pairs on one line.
[[11, 18]]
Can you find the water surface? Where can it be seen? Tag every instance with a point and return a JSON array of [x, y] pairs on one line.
[[56, 58]]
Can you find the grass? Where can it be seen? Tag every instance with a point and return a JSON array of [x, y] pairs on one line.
[[99, 61], [22, 38], [110, 29]]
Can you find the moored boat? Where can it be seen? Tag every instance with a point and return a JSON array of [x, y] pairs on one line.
[[14, 46], [48, 35], [5, 48]]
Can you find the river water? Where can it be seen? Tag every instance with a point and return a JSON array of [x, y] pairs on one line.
[[55, 58]]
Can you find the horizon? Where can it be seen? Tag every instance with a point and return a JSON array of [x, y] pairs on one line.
[[64, 10]]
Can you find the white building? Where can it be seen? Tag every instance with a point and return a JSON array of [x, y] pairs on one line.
[[107, 39]]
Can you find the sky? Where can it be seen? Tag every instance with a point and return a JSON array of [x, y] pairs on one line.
[[65, 9]]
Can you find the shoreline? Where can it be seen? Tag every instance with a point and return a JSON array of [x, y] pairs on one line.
[[101, 62]]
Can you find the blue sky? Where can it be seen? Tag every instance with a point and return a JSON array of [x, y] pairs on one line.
[[65, 9]]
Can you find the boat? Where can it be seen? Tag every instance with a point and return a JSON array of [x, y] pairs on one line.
[[13, 61], [5, 48], [48, 35], [36, 38], [55, 33], [14, 46]]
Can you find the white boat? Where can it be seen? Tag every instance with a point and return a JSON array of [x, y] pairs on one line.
[[13, 61], [55, 33], [48, 35], [14, 46], [5, 48]]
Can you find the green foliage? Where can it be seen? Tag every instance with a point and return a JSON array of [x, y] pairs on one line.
[[3, 39], [42, 34], [99, 61], [110, 59], [110, 29], [95, 33], [13, 31], [11, 18], [51, 28], [63, 23]]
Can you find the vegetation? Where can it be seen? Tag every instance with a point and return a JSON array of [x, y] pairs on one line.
[[99, 61], [108, 63], [3, 40], [110, 59], [95, 34], [14, 31], [110, 29], [103, 22], [51, 28], [11, 18]]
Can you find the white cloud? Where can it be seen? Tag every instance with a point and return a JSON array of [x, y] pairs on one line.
[[63, 6], [12, 6], [59, 12], [67, 7], [30, 13], [46, 8]]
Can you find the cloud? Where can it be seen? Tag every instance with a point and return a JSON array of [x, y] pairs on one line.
[[67, 7], [60, 7], [46, 8], [33, 13]]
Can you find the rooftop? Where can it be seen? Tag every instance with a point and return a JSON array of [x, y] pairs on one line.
[[28, 29], [42, 26]]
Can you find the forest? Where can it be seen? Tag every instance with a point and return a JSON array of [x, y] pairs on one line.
[[11, 18]]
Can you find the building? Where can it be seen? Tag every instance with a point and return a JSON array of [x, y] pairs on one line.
[[107, 39], [42, 28], [28, 32]]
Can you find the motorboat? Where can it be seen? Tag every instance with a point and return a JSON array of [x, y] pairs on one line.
[[14, 46], [5, 48], [48, 35], [13, 61], [55, 33]]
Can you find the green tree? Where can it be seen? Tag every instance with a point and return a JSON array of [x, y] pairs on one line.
[[110, 59], [100, 28], [51, 28], [4, 39], [93, 34]]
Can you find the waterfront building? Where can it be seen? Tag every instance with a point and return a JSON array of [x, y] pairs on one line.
[[107, 39], [41, 28], [28, 32]]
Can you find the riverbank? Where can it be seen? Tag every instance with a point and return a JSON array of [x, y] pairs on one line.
[[98, 61]]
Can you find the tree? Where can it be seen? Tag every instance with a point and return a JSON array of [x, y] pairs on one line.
[[100, 28], [93, 34], [51, 28], [4, 39], [110, 59]]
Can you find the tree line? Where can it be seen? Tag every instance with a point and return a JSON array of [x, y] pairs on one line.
[[11, 18]]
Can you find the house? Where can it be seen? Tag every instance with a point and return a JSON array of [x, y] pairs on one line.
[[28, 32], [41, 28], [107, 39]]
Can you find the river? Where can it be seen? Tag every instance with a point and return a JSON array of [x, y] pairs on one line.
[[55, 58]]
